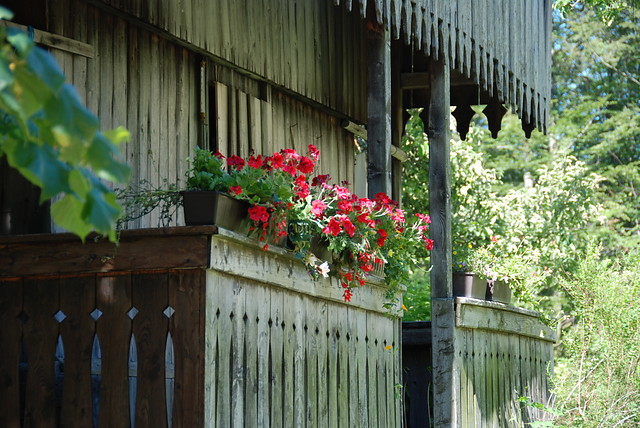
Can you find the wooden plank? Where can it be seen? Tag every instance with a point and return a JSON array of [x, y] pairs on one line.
[[56, 41], [186, 297], [40, 337], [212, 356], [113, 328], [354, 387], [238, 333], [283, 358], [344, 342], [77, 301], [363, 376], [263, 342], [321, 311], [311, 362], [332, 368], [299, 384], [502, 319], [131, 148], [372, 373], [224, 285], [250, 364], [10, 333], [150, 327]]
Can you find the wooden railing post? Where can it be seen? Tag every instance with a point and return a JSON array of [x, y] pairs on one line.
[[442, 313]]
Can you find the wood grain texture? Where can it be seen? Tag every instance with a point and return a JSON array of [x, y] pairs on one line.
[[10, 334]]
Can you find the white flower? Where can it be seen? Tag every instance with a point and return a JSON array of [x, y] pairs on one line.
[[323, 269]]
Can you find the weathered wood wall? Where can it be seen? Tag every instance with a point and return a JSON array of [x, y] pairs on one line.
[[282, 350], [143, 77], [309, 47], [502, 353]]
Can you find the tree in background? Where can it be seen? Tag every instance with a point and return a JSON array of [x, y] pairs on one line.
[[50, 138]]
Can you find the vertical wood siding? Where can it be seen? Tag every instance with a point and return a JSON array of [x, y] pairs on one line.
[[282, 350], [307, 46], [502, 354], [153, 87]]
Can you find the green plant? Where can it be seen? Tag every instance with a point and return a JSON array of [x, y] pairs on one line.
[[54, 141], [140, 200], [597, 376]]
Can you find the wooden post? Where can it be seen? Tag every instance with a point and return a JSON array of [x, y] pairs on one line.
[[442, 311], [378, 107]]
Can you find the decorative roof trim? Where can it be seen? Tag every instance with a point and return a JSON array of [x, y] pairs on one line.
[[502, 45]]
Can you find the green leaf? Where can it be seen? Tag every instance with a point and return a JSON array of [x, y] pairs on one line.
[[66, 213], [101, 210], [45, 68], [20, 41], [100, 156], [5, 13]]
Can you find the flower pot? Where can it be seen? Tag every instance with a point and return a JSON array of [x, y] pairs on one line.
[[208, 207], [320, 248], [466, 284], [498, 291]]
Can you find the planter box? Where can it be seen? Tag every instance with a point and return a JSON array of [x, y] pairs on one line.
[[207, 207], [466, 284], [498, 291]]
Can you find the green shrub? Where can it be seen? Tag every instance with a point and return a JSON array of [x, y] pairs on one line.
[[597, 380]]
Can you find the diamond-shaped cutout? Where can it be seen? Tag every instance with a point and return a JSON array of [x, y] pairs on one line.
[[23, 317], [95, 314], [132, 312], [168, 312], [60, 316]]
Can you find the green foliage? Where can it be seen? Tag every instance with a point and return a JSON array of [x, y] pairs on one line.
[[143, 198], [597, 115], [54, 141], [597, 380]]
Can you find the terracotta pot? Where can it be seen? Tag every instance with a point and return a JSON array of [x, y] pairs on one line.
[[498, 291], [466, 284], [207, 207]]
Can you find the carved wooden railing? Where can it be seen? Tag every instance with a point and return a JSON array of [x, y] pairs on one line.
[[186, 327]]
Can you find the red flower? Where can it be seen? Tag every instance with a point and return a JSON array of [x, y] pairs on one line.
[[256, 161], [236, 190], [428, 244], [290, 169], [313, 152], [382, 237], [364, 218], [427, 219], [342, 192], [320, 179], [258, 213], [318, 207], [306, 165], [218, 155], [345, 206], [494, 239], [346, 293], [276, 161], [235, 161], [348, 226], [333, 228]]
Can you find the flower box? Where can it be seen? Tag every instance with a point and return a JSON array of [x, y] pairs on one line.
[[466, 284], [208, 207], [498, 291]]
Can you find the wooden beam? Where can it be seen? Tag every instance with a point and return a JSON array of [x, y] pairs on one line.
[[54, 41], [445, 377], [379, 108]]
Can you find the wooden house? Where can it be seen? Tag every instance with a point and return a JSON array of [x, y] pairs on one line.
[[187, 326]]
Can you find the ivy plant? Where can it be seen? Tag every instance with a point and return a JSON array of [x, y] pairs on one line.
[[54, 141]]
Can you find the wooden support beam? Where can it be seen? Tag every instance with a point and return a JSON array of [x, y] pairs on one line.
[[379, 108], [54, 41], [445, 376]]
